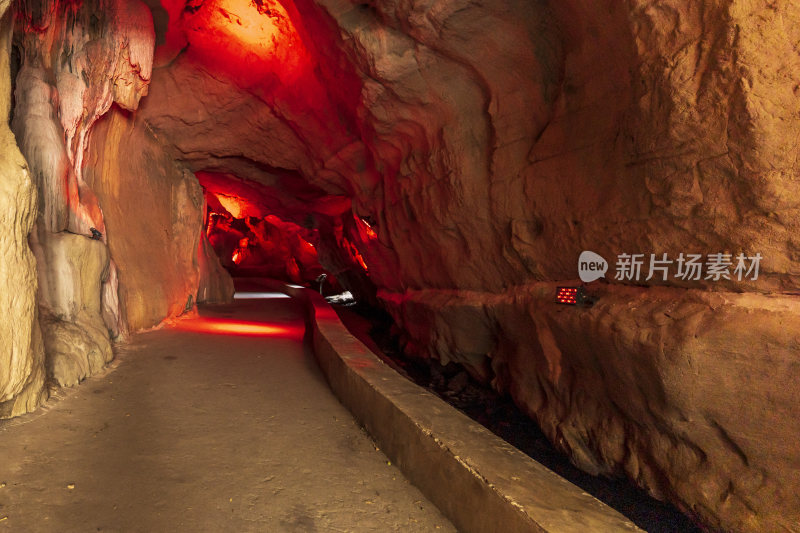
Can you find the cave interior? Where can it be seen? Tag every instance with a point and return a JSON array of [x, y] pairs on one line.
[[588, 208]]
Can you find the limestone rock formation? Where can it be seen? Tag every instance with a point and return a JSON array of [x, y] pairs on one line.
[[216, 285], [672, 131], [153, 211], [22, 372], [75, 61], [72, 269]]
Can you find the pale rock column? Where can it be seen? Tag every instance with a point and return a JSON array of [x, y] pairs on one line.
[[22, 372]]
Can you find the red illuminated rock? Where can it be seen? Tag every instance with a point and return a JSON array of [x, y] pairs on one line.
[[68, 78], [62, 94], [253, 244]]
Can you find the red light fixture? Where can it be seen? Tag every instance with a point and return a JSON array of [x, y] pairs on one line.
[[572, 296], [567, 295]]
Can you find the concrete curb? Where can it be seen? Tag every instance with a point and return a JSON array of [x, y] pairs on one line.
[[480, 482]]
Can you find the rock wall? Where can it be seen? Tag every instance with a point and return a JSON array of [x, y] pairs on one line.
[[154, 211], [72, 269], [668, 131], [97, 277], [76, 59], [216, 285], [22, 370], [488, 144]]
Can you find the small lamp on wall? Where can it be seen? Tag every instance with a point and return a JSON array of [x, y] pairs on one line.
[[573, 296]]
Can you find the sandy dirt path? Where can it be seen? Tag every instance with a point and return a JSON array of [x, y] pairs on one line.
[[223, 424]]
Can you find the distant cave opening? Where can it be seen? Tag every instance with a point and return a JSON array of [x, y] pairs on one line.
[[267, 246], [255, 236]]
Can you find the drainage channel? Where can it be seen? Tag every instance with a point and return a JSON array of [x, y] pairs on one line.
[[503, 418]]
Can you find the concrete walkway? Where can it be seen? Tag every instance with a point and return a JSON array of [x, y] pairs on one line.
[[224, 424]]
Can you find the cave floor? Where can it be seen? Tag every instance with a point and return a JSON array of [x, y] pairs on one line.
[[193, 431]]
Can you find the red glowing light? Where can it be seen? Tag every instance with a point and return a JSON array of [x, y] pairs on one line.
[[247, 39], [366, 227], [222, 326], [567, 295], [361, 261], [237, 256], [242, 20]]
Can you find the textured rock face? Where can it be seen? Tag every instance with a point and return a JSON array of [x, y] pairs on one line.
[[216, 285], [658, 142], [250, 243], [72, 269], [76, 60], [22, 371], [153, 211], [488, 144]]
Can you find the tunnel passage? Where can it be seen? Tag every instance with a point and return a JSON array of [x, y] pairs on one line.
[[251, 241], [261, 246], [449, 162]]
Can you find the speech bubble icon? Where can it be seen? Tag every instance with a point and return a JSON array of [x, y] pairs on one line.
[[591, 266]]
